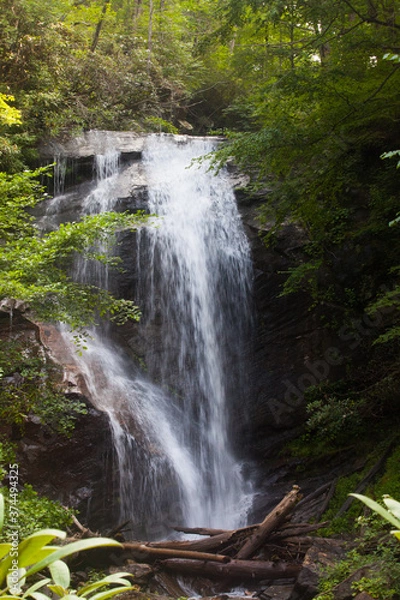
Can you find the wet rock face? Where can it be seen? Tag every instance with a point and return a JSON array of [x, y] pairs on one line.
[[291, 349], [78, 471]]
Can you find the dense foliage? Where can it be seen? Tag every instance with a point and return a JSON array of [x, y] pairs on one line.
[[23, 557], [306, 92], [322, 111]]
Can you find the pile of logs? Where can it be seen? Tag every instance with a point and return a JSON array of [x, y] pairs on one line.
[[269, 550]]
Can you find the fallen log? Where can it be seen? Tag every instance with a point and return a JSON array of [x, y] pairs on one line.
[[215, 543], [202, 530], [148, 552], [235, 569], [294, 528], [272, 521]]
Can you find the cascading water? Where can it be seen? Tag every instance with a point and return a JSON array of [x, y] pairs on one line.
[[172, 421]]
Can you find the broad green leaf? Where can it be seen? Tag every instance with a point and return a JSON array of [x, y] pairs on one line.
[[15, 580], [377, 508], [396, 533], [38, 596], [393, 506], [33, 543], [30, 550], [36, 586], [60, 573], [4, 550], [42, 553], [114, 578], [58, 590], [71, 549], [110, 593]]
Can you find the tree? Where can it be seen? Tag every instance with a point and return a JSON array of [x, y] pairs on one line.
[[321, 110], [34, 266]]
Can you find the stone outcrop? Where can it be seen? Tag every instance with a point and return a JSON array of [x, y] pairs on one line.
[[292, 348], [76, 470], [91, 143]]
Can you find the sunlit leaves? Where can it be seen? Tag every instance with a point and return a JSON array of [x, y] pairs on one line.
[[8, 114], [35, 554], [34, 266], [391, 513]]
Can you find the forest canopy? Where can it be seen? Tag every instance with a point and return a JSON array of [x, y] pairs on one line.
[[306, 92]]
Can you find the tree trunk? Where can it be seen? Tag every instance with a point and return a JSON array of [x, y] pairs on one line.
[[99, 26]]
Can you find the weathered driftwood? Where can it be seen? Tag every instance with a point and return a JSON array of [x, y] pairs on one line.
[[271, 522], [235, 569], [148, 552]]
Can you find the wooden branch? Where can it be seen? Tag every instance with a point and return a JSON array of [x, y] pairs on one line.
[[327, 500], [271, 522], [216, 543], [235, 569], [313, 495], [85, 531], [202, 530], [118, 529], [297, 529], [148, 552]]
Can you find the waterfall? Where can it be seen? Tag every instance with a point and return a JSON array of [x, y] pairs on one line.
[[171, 417]]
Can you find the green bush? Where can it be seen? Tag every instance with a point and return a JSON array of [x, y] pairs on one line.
[[28, 385], [21, 558], [34, 512]]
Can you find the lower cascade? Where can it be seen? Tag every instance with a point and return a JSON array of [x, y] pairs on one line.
[[172, 412]]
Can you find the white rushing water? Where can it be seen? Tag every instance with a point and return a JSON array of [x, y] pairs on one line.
[[172, 423]]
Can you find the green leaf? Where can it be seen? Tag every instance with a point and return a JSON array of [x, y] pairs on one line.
[[16, 583], [110, 593], [58, 590], [378, 509], [71, 549], [393, 506], [29, 548], [114, 578], [36, 586], [60, 573], [4, 550], [38, 596]]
